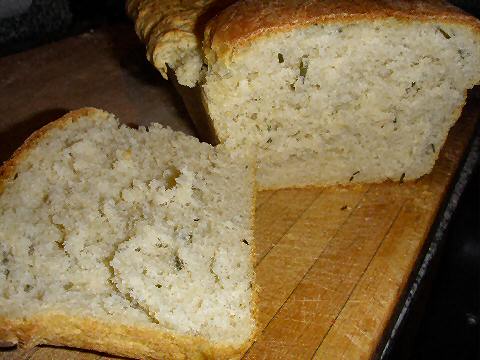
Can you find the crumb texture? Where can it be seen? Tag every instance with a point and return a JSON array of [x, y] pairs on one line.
[[140, 227], [353, 101]]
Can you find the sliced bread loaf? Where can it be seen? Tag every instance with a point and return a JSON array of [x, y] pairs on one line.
[[325, 91], [132, 242]]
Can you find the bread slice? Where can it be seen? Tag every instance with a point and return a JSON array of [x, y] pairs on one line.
[[131, 242], [327, 92]]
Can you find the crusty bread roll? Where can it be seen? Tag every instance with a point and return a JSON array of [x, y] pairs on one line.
[[324, 91], [131, 242]]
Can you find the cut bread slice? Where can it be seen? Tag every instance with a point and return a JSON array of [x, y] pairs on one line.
[[131, 242], [326, 92]]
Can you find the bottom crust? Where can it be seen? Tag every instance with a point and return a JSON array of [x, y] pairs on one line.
[[117, 339]]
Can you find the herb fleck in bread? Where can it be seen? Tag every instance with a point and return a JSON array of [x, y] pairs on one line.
[[132, 242], [328, 91]]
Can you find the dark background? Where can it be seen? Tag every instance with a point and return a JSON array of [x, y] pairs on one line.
[[444, 321]]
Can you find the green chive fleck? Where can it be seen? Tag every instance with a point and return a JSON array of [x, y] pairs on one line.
[[353, 175], [68, 286], [445, 34], [178, 263], [303, 68]]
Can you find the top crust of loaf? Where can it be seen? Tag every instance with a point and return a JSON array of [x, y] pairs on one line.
[[173, 30], [239, 24]]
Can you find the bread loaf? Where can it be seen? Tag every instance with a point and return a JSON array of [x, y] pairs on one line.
[[132, 242], [325, 91]]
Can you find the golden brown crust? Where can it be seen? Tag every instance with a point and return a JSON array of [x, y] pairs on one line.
[[172, 31], [118, 339], [95, 334], [161, 17], [246, 20], [167, 28]]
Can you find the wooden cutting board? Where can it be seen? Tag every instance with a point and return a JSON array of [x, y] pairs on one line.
[[332, 263]]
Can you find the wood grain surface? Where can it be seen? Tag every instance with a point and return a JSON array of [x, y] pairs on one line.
[[332, 263]]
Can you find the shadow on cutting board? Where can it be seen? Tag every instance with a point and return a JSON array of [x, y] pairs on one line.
[[15, 135]]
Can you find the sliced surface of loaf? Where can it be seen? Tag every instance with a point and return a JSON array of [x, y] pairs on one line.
[[329, 92], [132, 242]]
